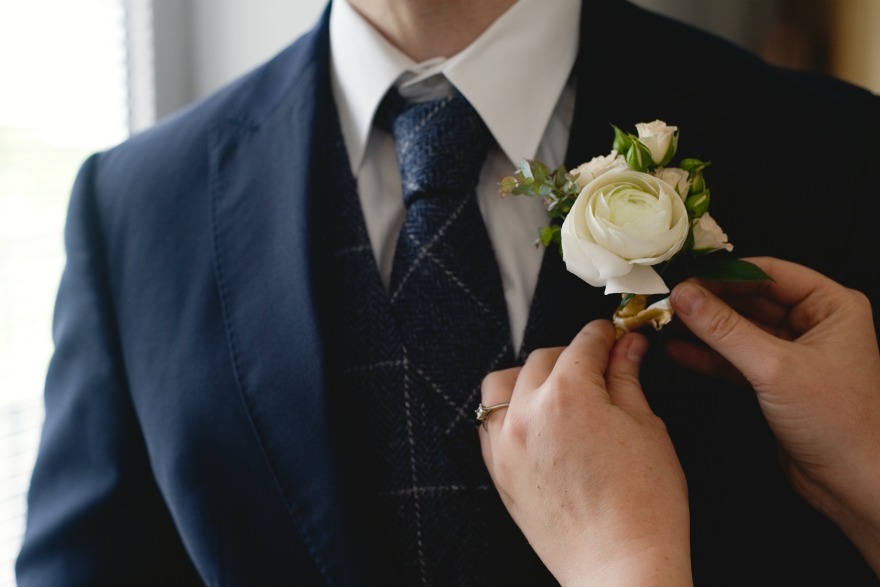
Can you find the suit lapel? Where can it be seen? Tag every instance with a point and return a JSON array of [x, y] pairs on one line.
[[563, 303], [261, 167]]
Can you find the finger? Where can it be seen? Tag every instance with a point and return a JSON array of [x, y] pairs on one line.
[[582, 364], [538, 366], [770, 316], [747, 347], [622, 375], [703, 360], [788, 284], [497, 387], [791, 283], [765, 313]]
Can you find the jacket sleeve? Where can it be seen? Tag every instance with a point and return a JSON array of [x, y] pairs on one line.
[[95, 515]]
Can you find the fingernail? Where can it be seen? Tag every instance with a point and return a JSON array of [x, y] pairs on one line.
[[636, 348], [687, 298]]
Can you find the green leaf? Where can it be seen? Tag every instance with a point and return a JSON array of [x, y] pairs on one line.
[[560, 177], [550, 234], [732, 270], [507, 185]]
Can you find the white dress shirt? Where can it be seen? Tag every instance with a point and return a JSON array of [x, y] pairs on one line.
[[532, 45]]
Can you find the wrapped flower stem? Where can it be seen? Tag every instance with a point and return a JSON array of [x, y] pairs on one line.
[[633, 314]]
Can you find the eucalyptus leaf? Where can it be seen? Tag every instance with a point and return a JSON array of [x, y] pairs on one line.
[[507, 184], [546, 235]]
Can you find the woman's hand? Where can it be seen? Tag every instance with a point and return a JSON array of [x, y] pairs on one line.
[[808, 348], [585, 468]]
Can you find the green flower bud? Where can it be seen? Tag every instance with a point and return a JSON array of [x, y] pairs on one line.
[[638, 157], [697, 204], [692, 165], [698, 184], [622, 141], [695, 168]]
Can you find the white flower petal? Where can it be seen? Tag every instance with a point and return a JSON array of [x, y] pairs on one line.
[[658, 137], [708, 236], [677, 178], [589, 171], [641, 280], [591, 262], [579, 262], [621, 223]]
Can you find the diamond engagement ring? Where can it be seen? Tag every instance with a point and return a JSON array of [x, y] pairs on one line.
[[483, 412]]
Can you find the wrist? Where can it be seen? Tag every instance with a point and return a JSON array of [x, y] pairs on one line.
[[666, 565], [860, 521], [852, 502]]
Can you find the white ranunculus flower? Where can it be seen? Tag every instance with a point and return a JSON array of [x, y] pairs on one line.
[[589, 171], [660, 139], [621, 224], [677, 178], [708, 236]]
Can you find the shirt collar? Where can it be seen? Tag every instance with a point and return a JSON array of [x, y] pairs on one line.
[[497, 73]]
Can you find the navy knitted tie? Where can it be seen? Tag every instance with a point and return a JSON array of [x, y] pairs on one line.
[[447, 304]]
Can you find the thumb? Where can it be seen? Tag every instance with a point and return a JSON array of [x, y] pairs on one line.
[[743, 344], [622, 376]]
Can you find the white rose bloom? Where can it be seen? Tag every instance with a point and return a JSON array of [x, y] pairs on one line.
[[589, 171], [677, 178], [708, 236], [659, 138], [621, 224]]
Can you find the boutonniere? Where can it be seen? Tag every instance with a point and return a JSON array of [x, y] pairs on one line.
[[622, 219]]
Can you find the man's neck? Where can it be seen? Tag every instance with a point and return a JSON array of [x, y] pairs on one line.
[[423, 29]]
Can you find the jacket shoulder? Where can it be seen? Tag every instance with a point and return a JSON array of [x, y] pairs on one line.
[[247, 103]]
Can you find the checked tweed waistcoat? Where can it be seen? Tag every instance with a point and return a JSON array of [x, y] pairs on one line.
[[404, 366]]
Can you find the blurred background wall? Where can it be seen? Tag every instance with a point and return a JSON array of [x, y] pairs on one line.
[[838, 37], [213, 41]]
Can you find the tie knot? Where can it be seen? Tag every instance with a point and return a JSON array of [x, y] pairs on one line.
[[441, 144]]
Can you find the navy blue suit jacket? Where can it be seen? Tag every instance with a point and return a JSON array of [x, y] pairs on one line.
[[187, 433]]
